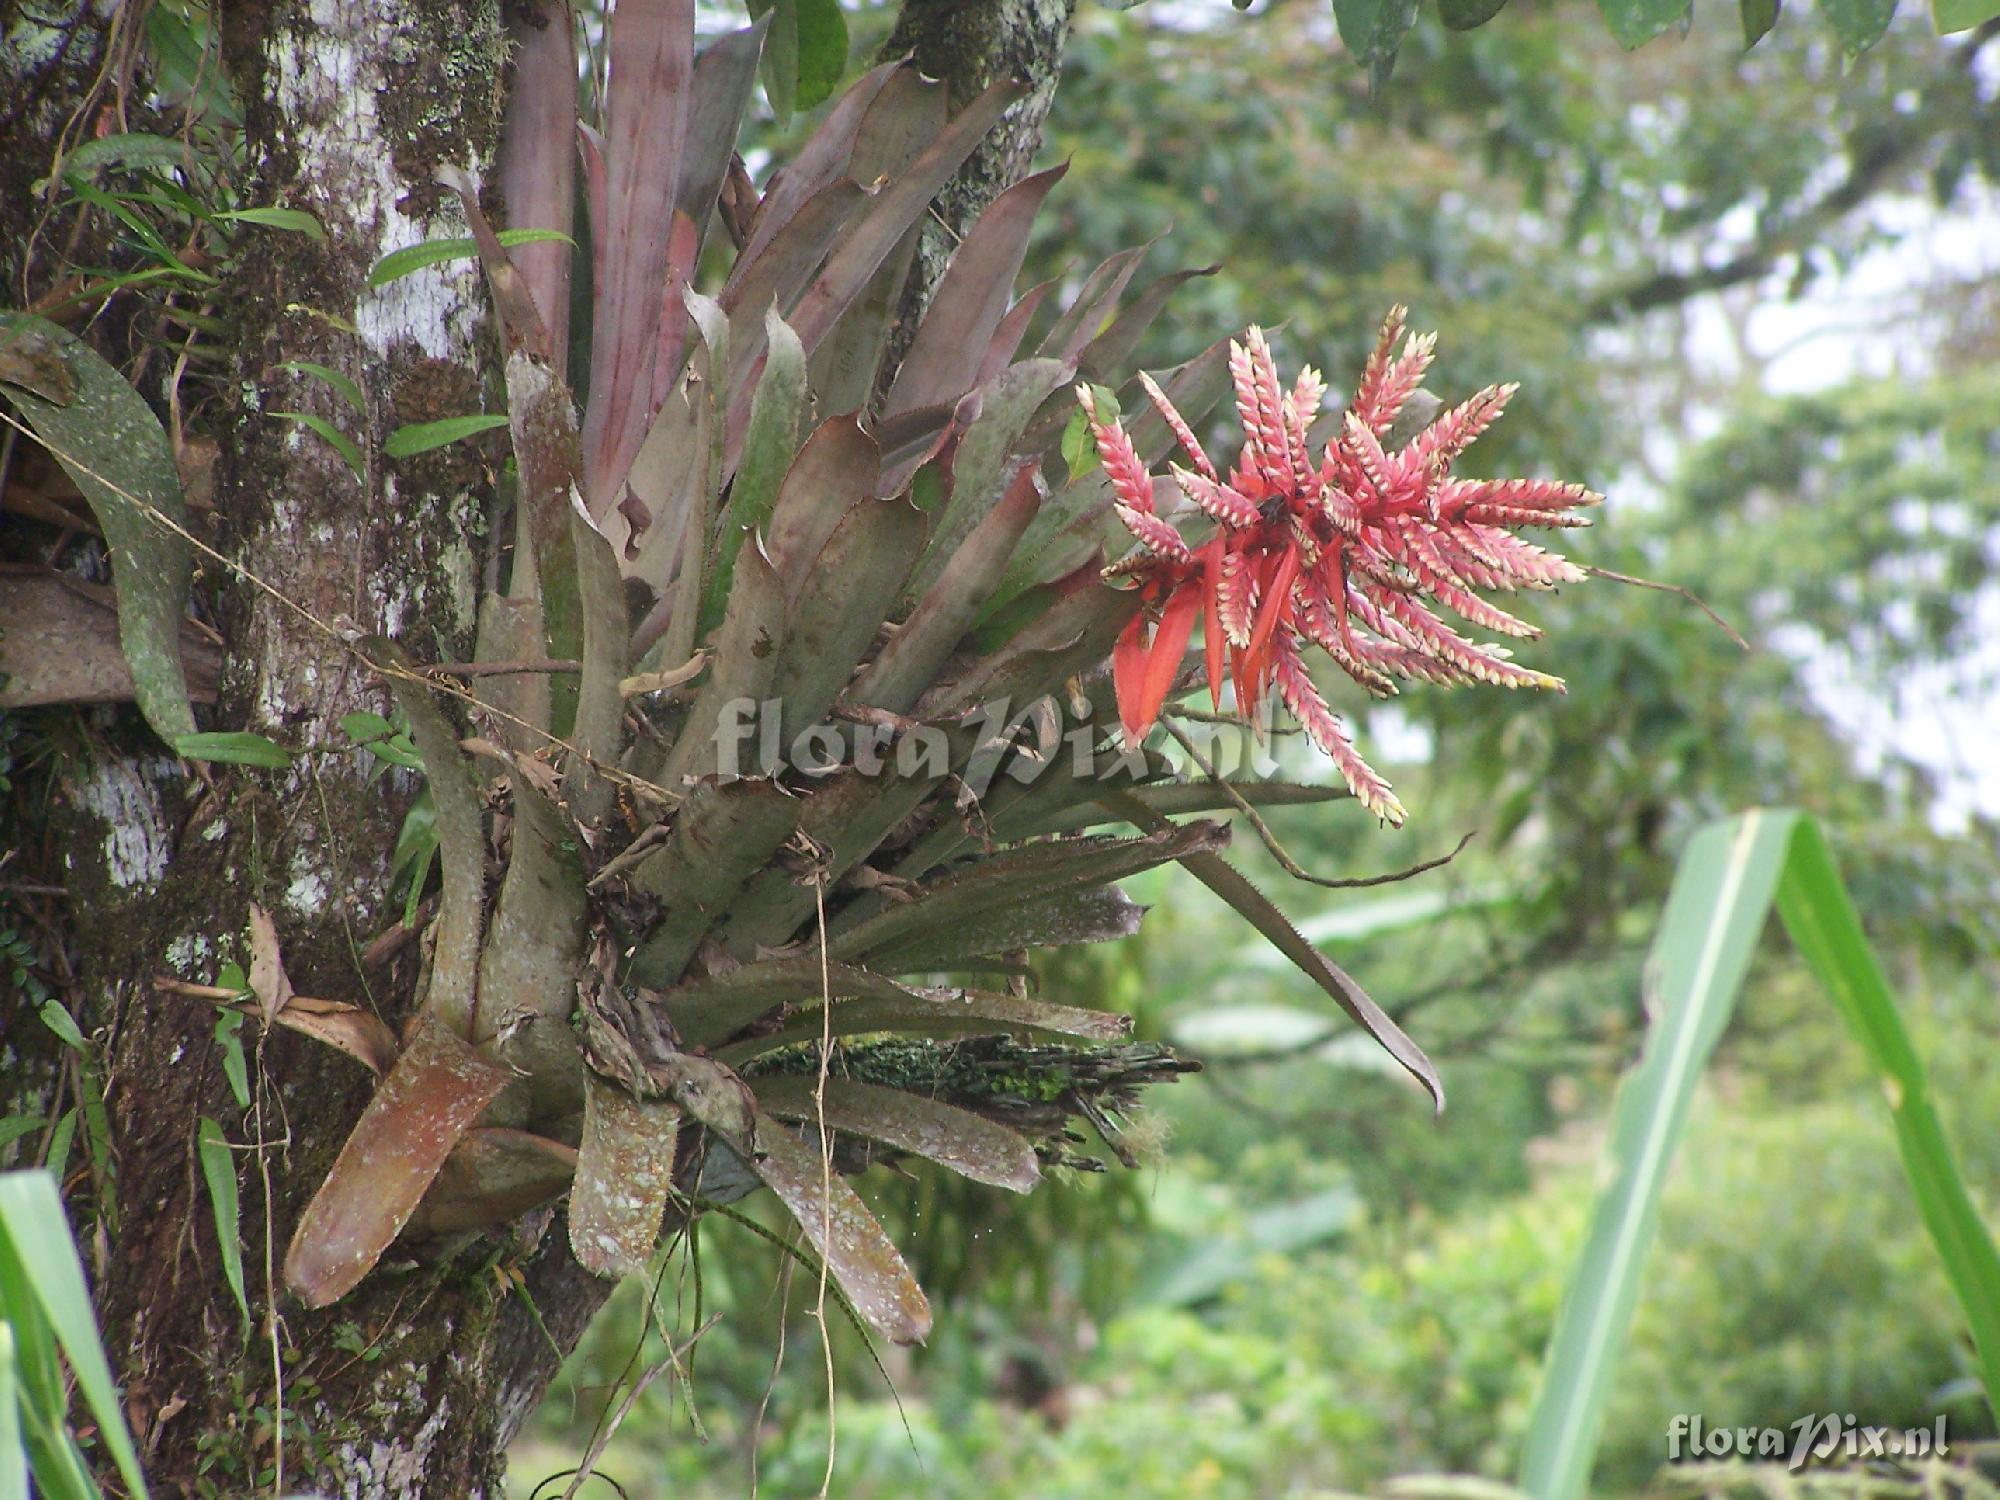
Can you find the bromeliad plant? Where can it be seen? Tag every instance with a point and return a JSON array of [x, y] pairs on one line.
[[658, 976]]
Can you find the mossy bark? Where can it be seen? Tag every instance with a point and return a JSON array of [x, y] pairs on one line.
[[411, 1386]]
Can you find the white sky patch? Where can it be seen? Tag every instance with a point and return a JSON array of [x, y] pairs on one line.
[[1869, 323]]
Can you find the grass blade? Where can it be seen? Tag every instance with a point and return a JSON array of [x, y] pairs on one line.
[[1821, 920], [36, 1234], [1718, 905]]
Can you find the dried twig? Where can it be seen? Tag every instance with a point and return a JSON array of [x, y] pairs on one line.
[[1291, 866], [1671, 588]]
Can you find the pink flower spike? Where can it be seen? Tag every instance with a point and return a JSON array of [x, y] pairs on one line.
[[1177, 425], [1129, 479]]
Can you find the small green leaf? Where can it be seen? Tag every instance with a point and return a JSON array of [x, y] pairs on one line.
[[1468, 15], [349, 391], [15, 1126], [218, 1169], [1079, 449], [1962, 15], [780, 65], [297, 221], [342, 443], [60, 1140], [236, 747], [1858, 23], [421, 437], [232, 977], [822, 50], [228, 1036], [63, 1024], [398, 263], [1373, 32], [1636, 22], [383, 740], [1759, 16], [366, 726]]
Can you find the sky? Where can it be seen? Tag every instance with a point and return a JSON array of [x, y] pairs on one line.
[[1945, 716]]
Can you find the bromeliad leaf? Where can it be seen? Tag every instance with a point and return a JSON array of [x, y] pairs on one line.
[[969, 1144]]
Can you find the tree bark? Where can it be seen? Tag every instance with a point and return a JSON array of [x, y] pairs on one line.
[[403, 1388]]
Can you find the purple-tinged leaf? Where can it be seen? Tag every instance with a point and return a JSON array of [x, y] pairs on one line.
[[1012, 329], [438, 1088], [770, 444], [848, 361], [651, 47], [1084, 318], [911, 660], [835, 469], [890, 214], [958, 328], [1109, 355], [723, 76], [840, 603], [817, 164], [982, 464], [538, 158]]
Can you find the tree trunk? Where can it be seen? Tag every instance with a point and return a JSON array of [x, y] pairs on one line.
[[407, 1387], [971, 44], [411, 1385]]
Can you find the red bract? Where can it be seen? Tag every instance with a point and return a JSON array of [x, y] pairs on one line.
[[1348, 551]]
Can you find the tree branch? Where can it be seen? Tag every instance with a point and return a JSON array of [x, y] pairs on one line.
[[1869, 173]]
